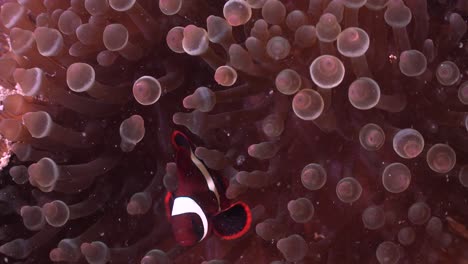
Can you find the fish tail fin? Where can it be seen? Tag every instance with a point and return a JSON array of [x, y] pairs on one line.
[[233, 222]]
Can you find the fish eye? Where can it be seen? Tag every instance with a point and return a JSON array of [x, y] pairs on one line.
[[180, 140]]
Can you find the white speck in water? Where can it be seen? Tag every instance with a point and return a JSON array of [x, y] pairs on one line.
[[240, 160]]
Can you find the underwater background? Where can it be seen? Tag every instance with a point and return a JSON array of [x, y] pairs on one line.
[[341, 124]]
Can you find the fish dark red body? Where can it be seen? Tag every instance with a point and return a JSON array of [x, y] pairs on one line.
[[199, 205]]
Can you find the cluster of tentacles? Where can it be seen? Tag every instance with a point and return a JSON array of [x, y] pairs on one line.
[[342, 123]]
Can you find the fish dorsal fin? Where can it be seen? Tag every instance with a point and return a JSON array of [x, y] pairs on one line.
[[185, 205]]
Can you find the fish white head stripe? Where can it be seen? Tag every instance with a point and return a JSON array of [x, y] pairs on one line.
[[185, 205]]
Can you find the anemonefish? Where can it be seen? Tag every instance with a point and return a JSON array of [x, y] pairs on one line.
[[199, 206]]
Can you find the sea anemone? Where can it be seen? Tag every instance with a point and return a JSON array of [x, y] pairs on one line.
[[342, 124]]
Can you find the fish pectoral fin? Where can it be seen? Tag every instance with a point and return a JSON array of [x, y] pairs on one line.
[[168, 203], [232, 222]]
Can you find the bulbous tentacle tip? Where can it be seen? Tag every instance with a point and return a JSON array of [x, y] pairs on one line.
[[203, 99], [140, 203], [237, 12], [293, 247], [95, 252], [17, 249], [301, 210], [155, 256], [56, 213], [132, 131]]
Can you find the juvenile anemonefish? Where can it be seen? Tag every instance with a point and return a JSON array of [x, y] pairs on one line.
[[199, 205]]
